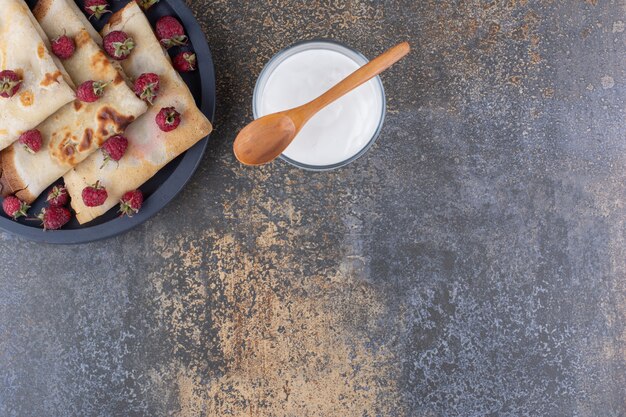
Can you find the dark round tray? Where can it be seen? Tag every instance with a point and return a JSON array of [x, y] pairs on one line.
[[164, 186]]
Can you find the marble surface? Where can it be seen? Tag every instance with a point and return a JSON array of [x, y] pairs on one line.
[[472, 263]]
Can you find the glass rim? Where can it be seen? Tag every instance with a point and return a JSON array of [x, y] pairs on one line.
[[284, 54]]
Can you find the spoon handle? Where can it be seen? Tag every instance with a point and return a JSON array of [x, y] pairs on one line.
[[354, 80]]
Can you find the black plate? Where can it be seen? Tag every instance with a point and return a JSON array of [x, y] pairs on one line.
[[163, 187]]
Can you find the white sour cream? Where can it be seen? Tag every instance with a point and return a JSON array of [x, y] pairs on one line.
[[340, 131]]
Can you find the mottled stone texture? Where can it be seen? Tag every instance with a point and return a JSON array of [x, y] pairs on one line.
[[473, 263]]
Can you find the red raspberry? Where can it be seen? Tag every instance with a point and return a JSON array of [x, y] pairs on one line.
[[32, 140], [10, 83], [118, 45], [114, 148], [95, 195], [147, 87], [146, 4], [58, 197], [185, 62], [168, 119], [14, 207], [131, 203], [170, 32], [63, 47], [90, 91], [54, 218], [96, 8]]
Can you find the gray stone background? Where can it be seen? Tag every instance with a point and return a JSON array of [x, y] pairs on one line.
[[472, 263]]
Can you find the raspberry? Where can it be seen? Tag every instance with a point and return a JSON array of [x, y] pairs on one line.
[[170, 32], [147, 87], [168, 119], [10, 83], [118, 45], [58, 197], [54, 218], [14, 207], [146, 4], [96, 8], [90, 91], [131, 203], [63, 47], [185, 62], [114, 148], [32, 140], [95, 195]]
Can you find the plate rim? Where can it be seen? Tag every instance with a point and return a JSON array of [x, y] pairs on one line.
[[177, 180]]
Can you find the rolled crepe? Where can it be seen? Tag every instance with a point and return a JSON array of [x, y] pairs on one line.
[[48, 11], [24, 49], [78, 129], [150, 149]]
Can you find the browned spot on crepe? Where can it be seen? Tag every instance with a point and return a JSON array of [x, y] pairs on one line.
[[108, 116], [116, 18], [50, 78], [85, 144], [41, 9], [41, 50], [69, 150], [65, 149], [118, 79], [78, 105], [82, 38], [27, 98], [100, 63]]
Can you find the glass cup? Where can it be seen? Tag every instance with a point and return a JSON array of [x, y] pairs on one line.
[[355, 56]]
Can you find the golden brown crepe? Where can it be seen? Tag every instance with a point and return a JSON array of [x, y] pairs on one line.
[[150, 149], [50, 12], [24, 49], [78, 129]]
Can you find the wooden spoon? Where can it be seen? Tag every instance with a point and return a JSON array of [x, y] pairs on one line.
[[266, 138]]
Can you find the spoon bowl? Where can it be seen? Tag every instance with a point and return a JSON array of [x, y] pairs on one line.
[[264, 139]]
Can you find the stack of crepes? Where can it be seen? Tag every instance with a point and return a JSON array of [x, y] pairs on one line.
[[76, 131], [150, 149]]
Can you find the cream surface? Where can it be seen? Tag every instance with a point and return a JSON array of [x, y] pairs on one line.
[[341, 130]]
